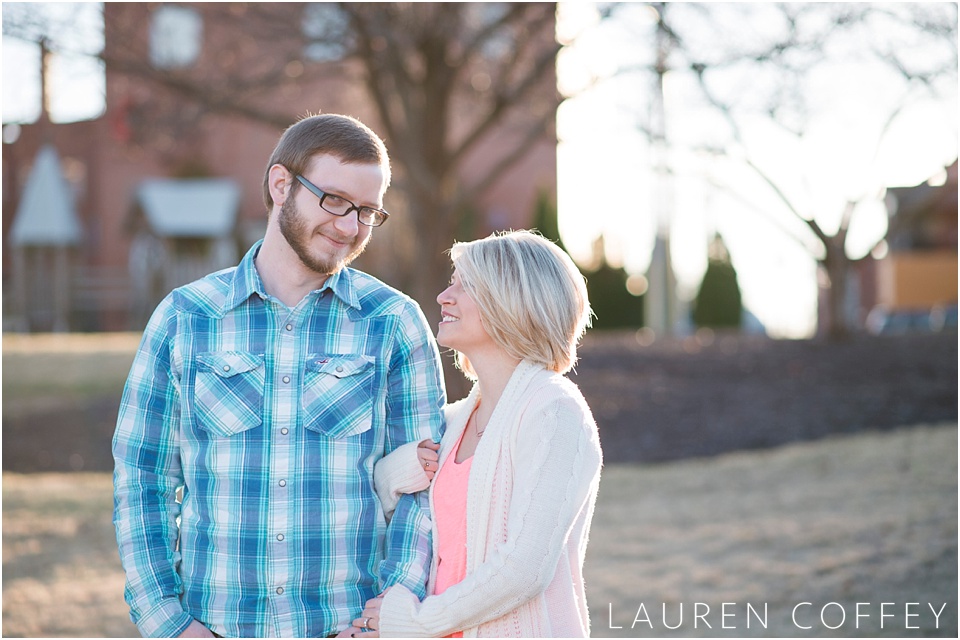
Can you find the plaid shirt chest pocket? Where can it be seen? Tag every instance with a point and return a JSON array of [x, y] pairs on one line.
[[228, 392], [337, 398]]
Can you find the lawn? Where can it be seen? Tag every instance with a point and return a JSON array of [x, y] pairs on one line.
[[725, 546], [43, 372], [867, 519]]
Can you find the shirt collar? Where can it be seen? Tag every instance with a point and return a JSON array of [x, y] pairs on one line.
[[247, 282], [343, 286]]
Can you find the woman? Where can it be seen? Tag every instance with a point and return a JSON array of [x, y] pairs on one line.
[[519, 464]]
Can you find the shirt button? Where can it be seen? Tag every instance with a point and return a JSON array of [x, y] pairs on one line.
[[286, 379], [280, 537], [226, 367], [339, 369], [289, 327], [284, 431], [279, 591], [283, 483]]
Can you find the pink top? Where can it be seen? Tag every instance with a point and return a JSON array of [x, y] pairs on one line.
[[450, 515]]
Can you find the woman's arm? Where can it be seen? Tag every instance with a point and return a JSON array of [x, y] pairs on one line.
[[407, 469], [558, 463]]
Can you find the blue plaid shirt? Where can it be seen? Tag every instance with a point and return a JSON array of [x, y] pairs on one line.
[[271, 420]]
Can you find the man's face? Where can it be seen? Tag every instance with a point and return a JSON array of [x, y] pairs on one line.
[[326, 243]]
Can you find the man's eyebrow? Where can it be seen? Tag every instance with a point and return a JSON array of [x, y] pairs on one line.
[[339, 194]]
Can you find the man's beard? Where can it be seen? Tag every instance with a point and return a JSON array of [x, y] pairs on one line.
[[294, 229]]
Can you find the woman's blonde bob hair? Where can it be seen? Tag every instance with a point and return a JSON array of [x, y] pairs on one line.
[[532, 299]]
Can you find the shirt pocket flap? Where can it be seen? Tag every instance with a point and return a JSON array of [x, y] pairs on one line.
[[228, 392], [340, 366], [227, 364], [337, 396]]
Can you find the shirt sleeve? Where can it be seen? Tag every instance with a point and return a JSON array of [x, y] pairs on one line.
[[147, 475], [560, 470], [415, 400]]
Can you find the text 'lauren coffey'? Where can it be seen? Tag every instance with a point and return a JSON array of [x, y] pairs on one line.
[[803, 615]]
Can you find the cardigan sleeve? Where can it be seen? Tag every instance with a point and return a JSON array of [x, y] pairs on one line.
[[397, 473], [558, 463]]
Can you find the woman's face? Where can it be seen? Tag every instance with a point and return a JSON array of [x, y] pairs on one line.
[[460, 326]]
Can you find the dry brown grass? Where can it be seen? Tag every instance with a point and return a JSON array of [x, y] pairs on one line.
[[863, 519], [48, 371], [61, 571], [868, 518]]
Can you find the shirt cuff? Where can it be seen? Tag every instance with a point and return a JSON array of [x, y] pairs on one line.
[[165, 620]]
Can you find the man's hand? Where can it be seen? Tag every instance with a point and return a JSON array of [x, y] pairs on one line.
[[196, 630], [428, 457]]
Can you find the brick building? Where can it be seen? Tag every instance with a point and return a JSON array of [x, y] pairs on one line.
[[114, 163]]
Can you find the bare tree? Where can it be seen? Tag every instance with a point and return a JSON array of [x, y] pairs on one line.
[[754, 62], [443, 80], [451, 76]]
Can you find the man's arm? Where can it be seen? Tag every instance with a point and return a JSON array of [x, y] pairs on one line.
[[147, 475], [415, 401]]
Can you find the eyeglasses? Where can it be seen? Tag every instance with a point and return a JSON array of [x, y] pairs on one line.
[[340, 206]]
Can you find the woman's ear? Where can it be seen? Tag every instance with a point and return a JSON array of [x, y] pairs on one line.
[[279, 182]]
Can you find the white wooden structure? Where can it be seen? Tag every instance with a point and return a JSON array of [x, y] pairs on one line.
[[43, 241], [182, 230]]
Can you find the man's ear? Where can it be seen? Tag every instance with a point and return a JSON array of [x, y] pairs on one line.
[[279, 181]]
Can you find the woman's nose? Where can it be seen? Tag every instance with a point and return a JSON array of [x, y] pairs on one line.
[[444, 297]]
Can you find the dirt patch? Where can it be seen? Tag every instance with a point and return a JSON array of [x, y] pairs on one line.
[[671, 400], [682, 398]]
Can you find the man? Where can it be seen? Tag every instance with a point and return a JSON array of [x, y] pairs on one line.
[[265, 393]]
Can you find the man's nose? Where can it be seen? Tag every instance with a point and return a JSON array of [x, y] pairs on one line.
[[348, 225]]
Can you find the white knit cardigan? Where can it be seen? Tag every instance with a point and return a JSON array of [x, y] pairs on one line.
[[530, 499]]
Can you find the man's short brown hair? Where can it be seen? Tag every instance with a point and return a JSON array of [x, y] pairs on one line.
[[341, 136]]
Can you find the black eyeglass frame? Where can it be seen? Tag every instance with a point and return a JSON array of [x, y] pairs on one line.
[[379, 214]]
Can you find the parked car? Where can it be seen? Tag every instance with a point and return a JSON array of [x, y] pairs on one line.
[[884, 321], [944, 318]]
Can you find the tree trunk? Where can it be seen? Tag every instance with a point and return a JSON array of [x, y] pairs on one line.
[[837, 268], [432, 273]]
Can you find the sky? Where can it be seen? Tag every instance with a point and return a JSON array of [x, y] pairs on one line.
[[606, 182], [603, 152], [79, 78]]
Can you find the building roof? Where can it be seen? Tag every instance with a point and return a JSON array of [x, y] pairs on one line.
[[925, 215], [46, 215], [197, 208]]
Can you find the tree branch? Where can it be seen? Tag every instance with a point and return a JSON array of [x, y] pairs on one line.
[[763, 175], [504, 102], [506, 162]]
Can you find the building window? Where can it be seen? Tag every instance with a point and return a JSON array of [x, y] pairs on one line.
[[327, 29], [176, 34]]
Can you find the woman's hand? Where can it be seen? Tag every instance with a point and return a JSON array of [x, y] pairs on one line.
[[196, 630], [428, 457]]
